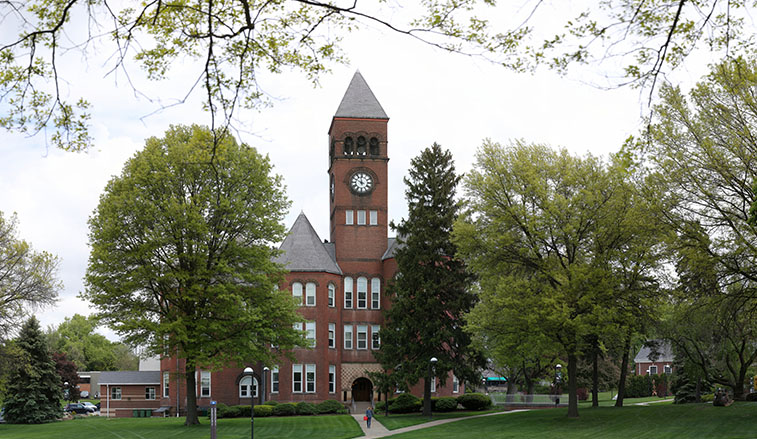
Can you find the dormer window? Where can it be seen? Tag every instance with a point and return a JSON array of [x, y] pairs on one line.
[[348, 146], [361, 146], [374, 146]]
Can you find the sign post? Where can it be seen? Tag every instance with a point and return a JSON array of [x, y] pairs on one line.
[[213, 419]]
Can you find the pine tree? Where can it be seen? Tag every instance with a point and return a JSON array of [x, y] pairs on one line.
[[431, 290], [34, 391]]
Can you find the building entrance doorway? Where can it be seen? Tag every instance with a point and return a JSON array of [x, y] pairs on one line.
[[362, 389]]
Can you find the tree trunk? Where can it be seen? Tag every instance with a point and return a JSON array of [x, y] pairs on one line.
[[595, 374], [623, 371], [529, 388], [426, 397], [192, 418], [572, 386], [386, 400], [698, 391], [511, 389]]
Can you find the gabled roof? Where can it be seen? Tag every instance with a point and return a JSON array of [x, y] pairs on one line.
[[303, 250], [662, 348], [391, 245], [359, 101], [130, 377]]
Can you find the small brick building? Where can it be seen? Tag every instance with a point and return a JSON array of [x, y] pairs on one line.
[[654, 358], [340, 282], [126, 394]]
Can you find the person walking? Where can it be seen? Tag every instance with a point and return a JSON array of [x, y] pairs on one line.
[[368, 416]]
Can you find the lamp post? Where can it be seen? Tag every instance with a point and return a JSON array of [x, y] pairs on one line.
[[248, 372], [431, 365], [265, 373], [558, 383], [65, 391]]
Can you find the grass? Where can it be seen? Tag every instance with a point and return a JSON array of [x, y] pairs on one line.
[[656, 421], [311, 427], [605, 400], [395, 421]]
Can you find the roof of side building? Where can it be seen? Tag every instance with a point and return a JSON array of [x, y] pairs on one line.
[[662, 348], [125, 377], [303, 250]]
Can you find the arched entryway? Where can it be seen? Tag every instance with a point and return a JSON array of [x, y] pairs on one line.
[[362, 389]]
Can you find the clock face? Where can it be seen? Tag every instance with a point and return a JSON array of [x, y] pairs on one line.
[[361, 183]]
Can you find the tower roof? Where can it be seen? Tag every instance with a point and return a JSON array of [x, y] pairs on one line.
[[359, 101], [304, 251]]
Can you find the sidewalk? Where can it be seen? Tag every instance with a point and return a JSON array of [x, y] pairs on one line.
[[378, 430]]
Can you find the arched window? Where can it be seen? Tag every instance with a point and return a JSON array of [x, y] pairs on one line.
[[374, 146], [375, 293], [361, 146], [362, 293], [310, 294], [348, 145], [244, 387], [348, 292], [332, 295], [297, 292]]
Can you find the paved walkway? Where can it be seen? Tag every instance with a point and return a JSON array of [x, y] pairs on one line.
[[654, 402], [378, 430]]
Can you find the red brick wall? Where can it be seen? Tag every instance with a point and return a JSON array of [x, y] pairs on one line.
[[132, 398], [641, 368]]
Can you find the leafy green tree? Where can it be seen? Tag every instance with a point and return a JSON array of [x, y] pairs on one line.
[[182, 254], [431, 291], [34, 391], [76, 337], [646, 38], [545, 233], [27, 278]]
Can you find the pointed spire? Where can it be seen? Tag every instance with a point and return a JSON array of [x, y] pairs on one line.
[[304, 251], [359, 101]]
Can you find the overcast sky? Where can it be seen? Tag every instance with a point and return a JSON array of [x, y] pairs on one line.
[[430, 96]]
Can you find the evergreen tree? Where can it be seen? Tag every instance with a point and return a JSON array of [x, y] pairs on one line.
[[431, 290], [34, 390]]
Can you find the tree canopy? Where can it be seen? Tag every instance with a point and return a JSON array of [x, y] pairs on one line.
[[431, 291], [28, 279], [231, 43], [182, 254]]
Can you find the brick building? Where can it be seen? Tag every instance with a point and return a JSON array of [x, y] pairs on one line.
[[654, 358], [340, 282]]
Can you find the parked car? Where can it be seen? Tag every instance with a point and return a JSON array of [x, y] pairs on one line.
[[78, 408], [91, 406]]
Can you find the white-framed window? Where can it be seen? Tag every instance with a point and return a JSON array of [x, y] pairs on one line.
[[332, 378], [310, 378], [433, 384], [115, 393], [347, 292], [310, 332], [297, 292], [362, 293], [299, 326], [296, 378], [360, 217], [248, 386], [362, 336], [373, 217], [667, 370], [348, 336], [455, 384], [166, 384], [375, 337], [332, 335], [150, 393], [348, 217], [653, 370], [275, 379], [332, 295], [310, 294], [205, 384], [375, 293]]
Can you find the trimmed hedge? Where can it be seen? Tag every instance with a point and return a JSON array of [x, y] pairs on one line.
[[329, 406], [405, 403], [306, 408], [445, 404], [271, 403], [263, 410], [474, 401], [285, 409]]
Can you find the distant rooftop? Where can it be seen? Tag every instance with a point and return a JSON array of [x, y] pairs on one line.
[[359, 101], [662, 348]]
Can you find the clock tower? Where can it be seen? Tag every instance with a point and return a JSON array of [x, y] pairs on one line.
[[358, 180]]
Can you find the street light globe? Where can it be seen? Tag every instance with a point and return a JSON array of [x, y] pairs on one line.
[[559, 366], [266, 369], [433, 360], [248, 370]]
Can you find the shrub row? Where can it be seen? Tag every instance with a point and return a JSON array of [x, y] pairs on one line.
[[407, 403], [641, 386], [274, 408]]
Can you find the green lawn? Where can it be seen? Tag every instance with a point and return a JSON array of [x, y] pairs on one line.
[[301, 427], [395, 421], [657, 421]]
